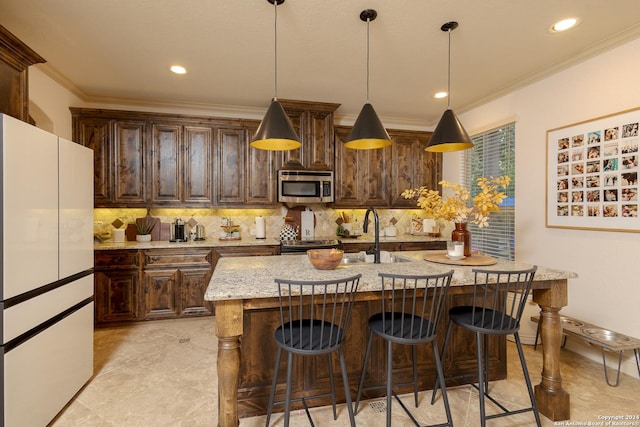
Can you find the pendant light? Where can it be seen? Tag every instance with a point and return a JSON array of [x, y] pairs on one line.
[[276, 132], [367, 132], [449, 134]]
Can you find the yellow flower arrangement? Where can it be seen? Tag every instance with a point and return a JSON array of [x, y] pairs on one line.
[[456, 208]]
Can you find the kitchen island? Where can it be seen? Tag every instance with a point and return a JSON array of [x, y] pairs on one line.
[[245, 295]]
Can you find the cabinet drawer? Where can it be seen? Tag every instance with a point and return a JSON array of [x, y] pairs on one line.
[[116, 260], [179, 257]]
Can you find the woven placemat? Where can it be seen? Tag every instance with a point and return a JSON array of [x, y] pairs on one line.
[[475, 259]]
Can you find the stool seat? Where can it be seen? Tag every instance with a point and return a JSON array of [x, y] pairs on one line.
[[486, 321]]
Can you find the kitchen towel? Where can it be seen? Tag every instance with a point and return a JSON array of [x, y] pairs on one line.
[[260, 227], [307, 218]]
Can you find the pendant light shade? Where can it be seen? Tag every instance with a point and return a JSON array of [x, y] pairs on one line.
[[449, 134], [367, 132], [276, 132]]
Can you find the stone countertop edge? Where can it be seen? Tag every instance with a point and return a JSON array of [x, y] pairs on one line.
[[253, 277], [249, 241]]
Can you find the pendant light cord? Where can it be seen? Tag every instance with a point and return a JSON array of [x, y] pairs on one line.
[[449, 74], [275, 49], [368, 21]]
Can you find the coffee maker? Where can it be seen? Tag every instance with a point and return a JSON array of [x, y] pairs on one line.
[[178, 231]]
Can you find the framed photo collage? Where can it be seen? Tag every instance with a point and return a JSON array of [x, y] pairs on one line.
[[592, 174]]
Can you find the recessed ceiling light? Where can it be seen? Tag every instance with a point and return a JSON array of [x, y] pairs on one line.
[[439, 95], [178, 69], [564, 25]]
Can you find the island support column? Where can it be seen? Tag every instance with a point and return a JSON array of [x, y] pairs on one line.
[[552, 399], [228, 331]]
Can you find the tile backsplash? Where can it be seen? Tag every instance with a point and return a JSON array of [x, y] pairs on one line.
[[327, 219]]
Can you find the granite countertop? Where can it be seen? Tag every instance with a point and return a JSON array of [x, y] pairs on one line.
[[250, 241], [253, 277]]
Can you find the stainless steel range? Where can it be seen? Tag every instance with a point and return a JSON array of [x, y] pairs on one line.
[[299, 246]]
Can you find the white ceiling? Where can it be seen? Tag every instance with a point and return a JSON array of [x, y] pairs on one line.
[[119, 51]]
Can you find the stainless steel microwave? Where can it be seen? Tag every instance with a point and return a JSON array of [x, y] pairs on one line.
[[305, 186]]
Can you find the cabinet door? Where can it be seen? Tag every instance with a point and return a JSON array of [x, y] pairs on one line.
[[362, 176], [198, 171], [166, 170], [160, 294], [319, 153], [231, 166], [116, 295], [313, 122], [128, 159], [94, 133], [193, 286], [412, 166], [348, 187], [261, 175]]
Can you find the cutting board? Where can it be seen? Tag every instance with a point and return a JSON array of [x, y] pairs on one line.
[[130, 231], [476, 259]]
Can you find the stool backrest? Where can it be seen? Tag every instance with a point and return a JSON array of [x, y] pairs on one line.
[[314, 315], [496, 310], [413, 303]]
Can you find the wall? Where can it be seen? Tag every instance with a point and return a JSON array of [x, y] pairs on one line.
[[50, 102], [606, 293]]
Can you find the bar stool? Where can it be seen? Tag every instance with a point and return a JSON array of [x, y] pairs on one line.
[[410, 317], [495, 316], [314, 317]]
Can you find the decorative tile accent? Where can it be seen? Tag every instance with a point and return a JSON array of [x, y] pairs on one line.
[[192, 222], [117, 223], [393, 221]]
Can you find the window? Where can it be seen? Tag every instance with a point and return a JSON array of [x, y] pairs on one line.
[[493, 155]]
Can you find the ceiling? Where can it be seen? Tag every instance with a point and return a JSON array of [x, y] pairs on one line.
[[119, 51]]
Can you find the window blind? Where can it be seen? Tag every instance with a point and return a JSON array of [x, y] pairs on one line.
[[493, 154]]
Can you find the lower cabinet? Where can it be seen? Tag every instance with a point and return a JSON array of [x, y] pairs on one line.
[[175, 281], [168, 283], [117, 286], [396, 246]]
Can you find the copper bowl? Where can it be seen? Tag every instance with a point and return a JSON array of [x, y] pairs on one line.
[[325, 259]]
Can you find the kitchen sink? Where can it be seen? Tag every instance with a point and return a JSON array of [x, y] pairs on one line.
[[357, 259]]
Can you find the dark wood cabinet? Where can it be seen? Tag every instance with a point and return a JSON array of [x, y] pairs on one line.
[[180, 165], [175, 281], [412, 166], [377, 177], [117, 286], [197, 163], [313, 121], [164, 160], [231, 165], [397, 246], [128, 147], [15, 59], [362, 176]]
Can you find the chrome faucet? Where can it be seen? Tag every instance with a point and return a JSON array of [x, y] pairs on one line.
[[376, 241]]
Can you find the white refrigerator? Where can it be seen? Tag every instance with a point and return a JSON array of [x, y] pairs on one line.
[[46, 295]]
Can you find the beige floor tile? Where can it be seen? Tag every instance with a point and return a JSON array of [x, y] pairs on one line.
[[163, 373]]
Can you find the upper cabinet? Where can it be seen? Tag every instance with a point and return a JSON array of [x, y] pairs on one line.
[[163, 160], [167, 160], [313, 122], [377, 177], [412, 166], [15, 59]]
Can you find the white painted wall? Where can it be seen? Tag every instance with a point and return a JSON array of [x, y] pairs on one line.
[[53, 101], [607, 293]]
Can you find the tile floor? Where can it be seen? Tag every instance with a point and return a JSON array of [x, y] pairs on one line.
[[163, 373]]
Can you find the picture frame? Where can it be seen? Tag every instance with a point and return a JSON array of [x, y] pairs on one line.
[[592, 174]]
